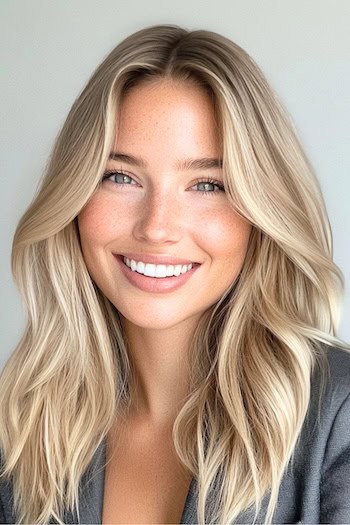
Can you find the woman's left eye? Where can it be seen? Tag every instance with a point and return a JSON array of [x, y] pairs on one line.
[[207, 183]]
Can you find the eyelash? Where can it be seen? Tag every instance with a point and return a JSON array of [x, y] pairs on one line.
[[199, 181]]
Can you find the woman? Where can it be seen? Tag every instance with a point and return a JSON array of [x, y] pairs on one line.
[[180, 362]]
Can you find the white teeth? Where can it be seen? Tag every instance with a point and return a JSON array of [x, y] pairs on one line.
[[150, 270], [177, 270], [157, 270], [140, 267], [160, 270], [170, 270]]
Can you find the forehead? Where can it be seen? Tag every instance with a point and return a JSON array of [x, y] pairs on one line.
[[168, 115]]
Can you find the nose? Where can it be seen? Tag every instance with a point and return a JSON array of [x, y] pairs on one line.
[[158, 218]]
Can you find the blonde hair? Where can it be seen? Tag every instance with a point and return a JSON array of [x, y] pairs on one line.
[[253, 352]]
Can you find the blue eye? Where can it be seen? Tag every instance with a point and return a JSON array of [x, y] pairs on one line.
[[210, 182], [120, 178]]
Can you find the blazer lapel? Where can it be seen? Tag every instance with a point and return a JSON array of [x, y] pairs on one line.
[[189, 514], [91, 491]]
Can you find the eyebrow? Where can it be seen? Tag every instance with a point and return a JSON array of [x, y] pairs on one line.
[[186, 164]]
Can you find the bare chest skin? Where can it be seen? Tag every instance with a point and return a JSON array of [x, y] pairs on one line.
[[144, 481]]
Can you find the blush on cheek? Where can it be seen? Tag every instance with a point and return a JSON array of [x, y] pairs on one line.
[[229, 233], [96, 219]]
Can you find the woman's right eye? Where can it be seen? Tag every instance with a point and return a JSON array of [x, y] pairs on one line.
[[118, 177]]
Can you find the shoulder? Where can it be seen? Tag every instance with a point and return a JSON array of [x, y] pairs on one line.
[[339, 366], [336, 393], [315, 488], [330, 393], [326, 429], [333, 440]]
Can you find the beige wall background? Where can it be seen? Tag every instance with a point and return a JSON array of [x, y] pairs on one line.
[[49, 48]]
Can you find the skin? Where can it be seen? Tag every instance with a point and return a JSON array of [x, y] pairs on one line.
[[166, 212]]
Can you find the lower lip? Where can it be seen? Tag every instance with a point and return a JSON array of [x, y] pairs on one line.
[[154, 284]]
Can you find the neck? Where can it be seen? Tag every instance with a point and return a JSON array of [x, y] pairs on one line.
[[159, 360]]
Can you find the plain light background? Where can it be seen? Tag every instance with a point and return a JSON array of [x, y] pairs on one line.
[[49, 49]]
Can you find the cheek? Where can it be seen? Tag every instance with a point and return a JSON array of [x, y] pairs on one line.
[[97, 222], [90, 227], [226, 235]]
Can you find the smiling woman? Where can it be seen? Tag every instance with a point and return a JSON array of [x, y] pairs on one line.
[[157, 209], [180, 362]]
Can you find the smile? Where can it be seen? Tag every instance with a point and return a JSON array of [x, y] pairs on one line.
[[147, 280], [158, 271]]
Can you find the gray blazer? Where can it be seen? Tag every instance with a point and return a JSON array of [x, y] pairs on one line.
[[314, 489]]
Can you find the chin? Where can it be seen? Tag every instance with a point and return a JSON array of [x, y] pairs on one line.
[[151, 323]]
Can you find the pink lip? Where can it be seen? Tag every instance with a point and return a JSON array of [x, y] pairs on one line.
[[153, 284], [156, 259]]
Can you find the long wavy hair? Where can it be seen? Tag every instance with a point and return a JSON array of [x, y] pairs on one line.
[[253, 352]]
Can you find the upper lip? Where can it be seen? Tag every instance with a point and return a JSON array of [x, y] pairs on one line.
[[156, 259]]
